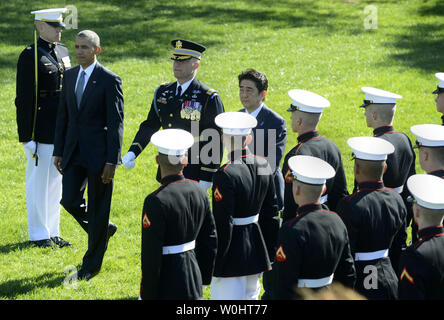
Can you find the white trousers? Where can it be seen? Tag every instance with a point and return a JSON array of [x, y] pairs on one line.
[[43, 194], [236, 288]]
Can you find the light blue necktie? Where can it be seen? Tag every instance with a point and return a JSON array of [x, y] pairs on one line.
[[79, 89]]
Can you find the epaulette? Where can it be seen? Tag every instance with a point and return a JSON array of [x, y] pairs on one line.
[[210, 92]]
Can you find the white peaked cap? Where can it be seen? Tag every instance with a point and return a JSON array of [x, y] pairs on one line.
[[440, 77], [370, 148], [235, 123], [174, 142], [428, 190], [307, 101], [429, 135], [310, 169], [378, 96], [49, 15]]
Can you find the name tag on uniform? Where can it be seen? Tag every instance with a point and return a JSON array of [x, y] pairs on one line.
[[66, 62]]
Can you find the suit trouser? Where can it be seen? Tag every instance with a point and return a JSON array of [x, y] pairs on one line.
[[235, 288], [43, 193], [93, 217]]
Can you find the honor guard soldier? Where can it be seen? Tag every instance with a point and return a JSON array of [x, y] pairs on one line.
[[430, 143], [268, 138], [439, 96], [422, 263], [40, 71], [380, 108], [178, 232], [245, 211], [306, 111], [185, 104], [314, 247], [375, 218]]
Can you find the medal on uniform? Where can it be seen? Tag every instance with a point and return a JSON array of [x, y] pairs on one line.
[[191, 110]]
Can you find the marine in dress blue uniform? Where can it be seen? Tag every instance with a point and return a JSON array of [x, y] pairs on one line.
[[268, 137], [375, 217], [192, 108], [178, 231], [306, 109], [439, 94], [245, 211], [421, 275], [314, 246], [36, 119], [380, 107]]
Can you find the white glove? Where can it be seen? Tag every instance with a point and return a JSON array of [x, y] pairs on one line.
[[205, 184], [128, 160], [31, 146]]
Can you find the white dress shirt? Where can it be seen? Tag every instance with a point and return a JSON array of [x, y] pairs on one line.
[[184, 86], [255, 112]]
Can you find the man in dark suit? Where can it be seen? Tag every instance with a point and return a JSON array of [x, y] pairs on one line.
[[88, 142], [268, 137], [186, 104], [36, 118]]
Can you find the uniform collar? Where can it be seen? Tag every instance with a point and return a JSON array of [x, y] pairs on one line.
[[374, 185], [430, 231], [236, 154], [172, 178], [311, 207], [46, 44], [184, 86], [381, 130], [308, 135]]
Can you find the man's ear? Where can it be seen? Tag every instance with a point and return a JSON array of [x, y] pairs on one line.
[[98, 50], [385, 167], [249, 139], [263, 94], [157, 159], [185, 161]]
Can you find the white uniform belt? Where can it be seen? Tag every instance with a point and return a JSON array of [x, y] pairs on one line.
[[324, 198], [244, 221], [179, 248], [365, 256], [399, 189], [315, 283]]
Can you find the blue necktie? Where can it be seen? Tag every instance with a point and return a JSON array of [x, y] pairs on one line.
[[79, 89]]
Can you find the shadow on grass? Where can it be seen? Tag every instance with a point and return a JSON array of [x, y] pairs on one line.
[[422, 44], [11, 247], [13, 288], [144, 29]]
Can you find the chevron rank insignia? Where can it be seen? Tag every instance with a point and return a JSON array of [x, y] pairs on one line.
[[288, 176], [217, 195], [280, 254], [146, 223], [405, 274]]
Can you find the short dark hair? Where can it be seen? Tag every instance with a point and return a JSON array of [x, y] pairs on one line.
[[257, 77]]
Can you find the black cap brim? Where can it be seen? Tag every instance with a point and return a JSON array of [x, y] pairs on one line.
[[56, 24]]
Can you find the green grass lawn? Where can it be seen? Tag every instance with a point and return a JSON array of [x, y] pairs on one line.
[[321, 46]]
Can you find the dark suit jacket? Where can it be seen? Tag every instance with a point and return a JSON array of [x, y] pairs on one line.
[[267, 120], [97, 126]]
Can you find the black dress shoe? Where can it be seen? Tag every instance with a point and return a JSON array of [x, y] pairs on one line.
[[86, 275], [60, 242], [112, 228], [45, 243]]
